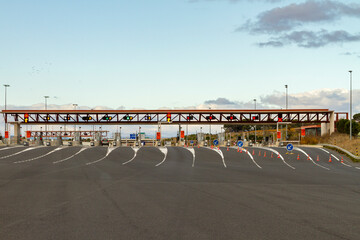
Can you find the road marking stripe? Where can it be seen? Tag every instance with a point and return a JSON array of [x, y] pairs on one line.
[[193, 153], [25, 150], [325, 150], [336, 158], [5, 148], [164, 150], [221, 154], [109, 150], [307, 155], [252, 158], [277, 153], [65, 159], [135, 153], [32, 159]]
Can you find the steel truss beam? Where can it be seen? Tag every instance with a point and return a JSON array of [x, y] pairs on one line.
[[148, 117], [83, 134]]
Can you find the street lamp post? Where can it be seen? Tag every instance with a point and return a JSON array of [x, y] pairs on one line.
[[46, 97], [255, 125], [350, 104], [286, 107], [6, 86], [210, 131], [75, 105]]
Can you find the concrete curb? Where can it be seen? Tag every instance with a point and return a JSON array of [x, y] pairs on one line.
[[343, 150]]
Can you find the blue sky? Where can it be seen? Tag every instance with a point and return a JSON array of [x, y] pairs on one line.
[[167, 53], [179, 54]]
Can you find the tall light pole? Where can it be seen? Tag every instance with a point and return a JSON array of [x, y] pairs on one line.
[[286, 107], [255, 125], [286, 97], [210, 131], [6, 86], [350, 104], [46, 97], [74, 105]]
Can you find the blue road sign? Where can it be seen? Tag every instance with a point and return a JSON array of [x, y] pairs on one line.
[[240, 143], [191, 142], [132, 136], [289, 147], [216, 142]]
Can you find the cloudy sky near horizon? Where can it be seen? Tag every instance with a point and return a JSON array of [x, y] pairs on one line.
[[180, 53]]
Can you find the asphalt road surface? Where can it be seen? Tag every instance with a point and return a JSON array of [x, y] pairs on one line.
[[177, 193]]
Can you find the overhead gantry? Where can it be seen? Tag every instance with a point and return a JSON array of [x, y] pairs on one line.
[[186, 116]]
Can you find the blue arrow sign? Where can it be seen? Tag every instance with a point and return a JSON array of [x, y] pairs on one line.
[[289, 147], [240, 143], [216, 142]]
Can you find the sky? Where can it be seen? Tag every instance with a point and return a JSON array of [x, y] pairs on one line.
[[116, 54]]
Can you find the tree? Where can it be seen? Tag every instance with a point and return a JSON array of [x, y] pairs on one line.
[[355, 127], [357, 117], [340, 125]]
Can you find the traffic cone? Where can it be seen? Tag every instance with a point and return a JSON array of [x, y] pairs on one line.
[[227, 149], [218, 148], [298, 157], [264, 154], [259, 153], [278, 155], [272, 155], [240, 150], [317, 159], [308, 157], [198, 146], [330, 159], [342, 159], [212, 147], [253, 152]]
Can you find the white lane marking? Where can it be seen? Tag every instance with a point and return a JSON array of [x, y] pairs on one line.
[[336, 158], [357, 167], [32, 159], [221, 154], [25, 150], [193, 153], [65, 159], [278, 154], [5, 148], [164, 150], [251, 158], [135, 153], [325, 150], [307, 155], [109, 150]]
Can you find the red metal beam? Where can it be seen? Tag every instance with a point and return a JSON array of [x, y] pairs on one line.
[[91, 117]]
